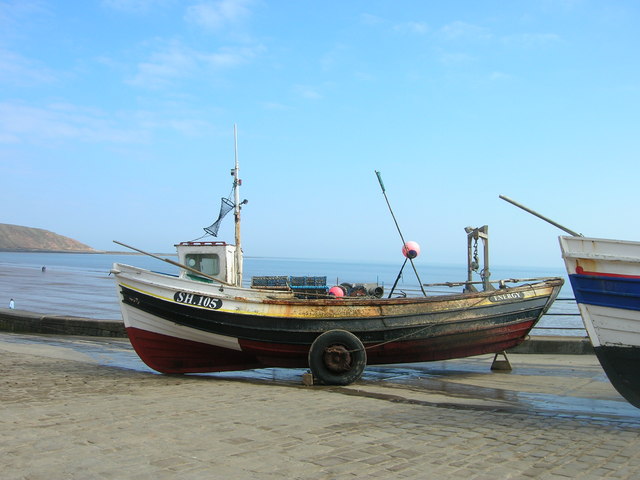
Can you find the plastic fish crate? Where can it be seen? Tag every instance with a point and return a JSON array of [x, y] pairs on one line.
[[279, 281], [308, 282]]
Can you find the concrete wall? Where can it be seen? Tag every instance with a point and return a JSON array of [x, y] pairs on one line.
[[21, 321]]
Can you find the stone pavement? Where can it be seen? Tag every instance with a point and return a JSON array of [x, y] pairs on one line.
[[67, 415]]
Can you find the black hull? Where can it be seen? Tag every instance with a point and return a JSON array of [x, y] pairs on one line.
[[622, 366], [303, 331]]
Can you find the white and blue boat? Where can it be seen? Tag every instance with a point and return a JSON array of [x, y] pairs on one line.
[[605, 277]]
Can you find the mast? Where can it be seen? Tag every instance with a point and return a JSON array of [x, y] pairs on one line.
[[236, 187]]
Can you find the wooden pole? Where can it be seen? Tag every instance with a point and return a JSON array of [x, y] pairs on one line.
[[533, 212], [236, 184]]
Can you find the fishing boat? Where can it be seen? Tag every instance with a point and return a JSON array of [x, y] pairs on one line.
[[207, 320], [605, 277]]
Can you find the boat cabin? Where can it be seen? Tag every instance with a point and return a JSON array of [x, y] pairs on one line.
[[214, 259]]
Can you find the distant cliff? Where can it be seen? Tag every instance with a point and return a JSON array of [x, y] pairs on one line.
[[17, 238]]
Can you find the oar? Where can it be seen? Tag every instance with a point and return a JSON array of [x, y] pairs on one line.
[[384, 192], [533, 212], [193, 270]]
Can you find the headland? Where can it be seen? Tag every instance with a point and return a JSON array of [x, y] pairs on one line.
[[17, 238]]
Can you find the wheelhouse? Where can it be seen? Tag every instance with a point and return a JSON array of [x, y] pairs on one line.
[[214, 259]]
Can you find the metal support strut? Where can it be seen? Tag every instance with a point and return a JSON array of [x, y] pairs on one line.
[[473, 263], [501, 365]]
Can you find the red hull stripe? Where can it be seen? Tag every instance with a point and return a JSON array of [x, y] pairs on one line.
[[582, 271]]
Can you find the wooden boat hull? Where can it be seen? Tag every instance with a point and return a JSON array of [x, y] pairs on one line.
[[605, 277], [179, 326]]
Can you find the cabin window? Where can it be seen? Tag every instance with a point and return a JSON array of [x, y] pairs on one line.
[[208, 264]]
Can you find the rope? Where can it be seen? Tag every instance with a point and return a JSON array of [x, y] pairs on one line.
[[200, 238]]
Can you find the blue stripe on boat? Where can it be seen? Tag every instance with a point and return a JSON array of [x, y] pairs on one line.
[[605, 291]]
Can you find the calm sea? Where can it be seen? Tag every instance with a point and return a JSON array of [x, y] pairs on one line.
[[81, 285]]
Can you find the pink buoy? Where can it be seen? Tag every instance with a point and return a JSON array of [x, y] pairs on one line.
[[336, 291], [411, 249]]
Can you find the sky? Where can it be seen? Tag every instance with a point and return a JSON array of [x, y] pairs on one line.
[[116, 123]]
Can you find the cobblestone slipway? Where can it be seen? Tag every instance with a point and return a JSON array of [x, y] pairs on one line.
[[66, 416]]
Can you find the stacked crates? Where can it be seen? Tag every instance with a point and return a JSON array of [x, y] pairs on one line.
[[300, 285]]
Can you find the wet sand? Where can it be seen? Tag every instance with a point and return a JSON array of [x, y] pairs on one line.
[[71, 410]]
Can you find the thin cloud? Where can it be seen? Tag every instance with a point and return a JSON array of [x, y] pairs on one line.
[[499, 76], [412, 27], [464, 31], [531, 39], [21, 71], [467, 32], [306, 91], [215, 16], [12, 13], [415, 28], [176, 61], [184, 122], [364, 76], [333, 57], [455, 58], [275, 106], [133, 6], [164, 66], [229, 57], [20, 123], [371, 20], [19, 19]]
